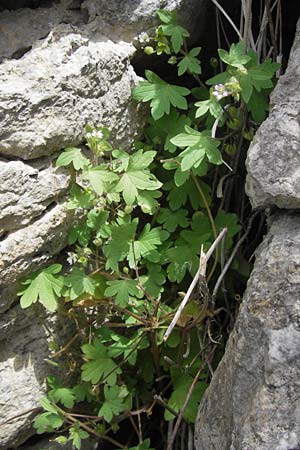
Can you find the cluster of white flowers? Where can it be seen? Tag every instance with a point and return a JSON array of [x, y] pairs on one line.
[[94, 134], [220, 91], [143, 38], [72, 258]]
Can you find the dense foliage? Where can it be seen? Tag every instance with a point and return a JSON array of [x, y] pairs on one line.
[[142, 218]]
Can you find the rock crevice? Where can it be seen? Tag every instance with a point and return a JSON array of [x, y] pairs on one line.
[[252, 402]]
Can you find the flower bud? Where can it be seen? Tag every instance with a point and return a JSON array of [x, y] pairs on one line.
[[98, 242], [172, 60], [149, 50], [128, 209], [214, 63]]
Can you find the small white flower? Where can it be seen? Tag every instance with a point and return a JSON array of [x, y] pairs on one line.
[[72, 258], [94, 134], [219, 87], [143, 37], [98, 134], [220, 91]]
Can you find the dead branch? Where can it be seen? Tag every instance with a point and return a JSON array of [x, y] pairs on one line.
[[204, 257]]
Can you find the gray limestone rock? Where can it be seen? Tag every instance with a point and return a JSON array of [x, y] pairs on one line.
[[63, 83], [127, 19], [26, 192], [20, 29], [46, 97], [273, 161], [24, 350], [253, 400], [25, 250]]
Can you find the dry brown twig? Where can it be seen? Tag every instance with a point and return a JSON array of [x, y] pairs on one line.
[[204, 257], [186, 401]]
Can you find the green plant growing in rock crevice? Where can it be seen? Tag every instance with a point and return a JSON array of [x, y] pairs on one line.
[[145, 216]]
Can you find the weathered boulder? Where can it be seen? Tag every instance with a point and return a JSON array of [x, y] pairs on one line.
[[65, 82], [20, 29], [121, 20], [46, 98], [24, 349], [273, 161], [26, 191], [27, 249], [253, 399]]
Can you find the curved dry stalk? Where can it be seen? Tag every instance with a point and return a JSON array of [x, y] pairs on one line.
[[165, 405], [228, 18], [248, 35], [271, 28], [228, 263], [186, 401], [201, 272]]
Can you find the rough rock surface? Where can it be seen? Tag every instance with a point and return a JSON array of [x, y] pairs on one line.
[[46, 98], [25, 250], [23, 368], [126, 19], [20, 29], [65, 82], [273, 161], [27, 191], [253, 400]]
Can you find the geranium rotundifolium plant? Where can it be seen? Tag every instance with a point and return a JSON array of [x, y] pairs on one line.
[[142, 220]]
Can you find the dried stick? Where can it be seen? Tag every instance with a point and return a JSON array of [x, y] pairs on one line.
[[228, 18], [165, 405], [135, 429], [182, 436], [247, 8], [66, 346], [190, 438], [170, 429], [186, 401], [204, 257], [263, 25], [219, 36], [70, 419], [271, 28], [228, 264]]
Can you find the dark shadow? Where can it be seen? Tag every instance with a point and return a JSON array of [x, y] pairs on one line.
[[12, 5]]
